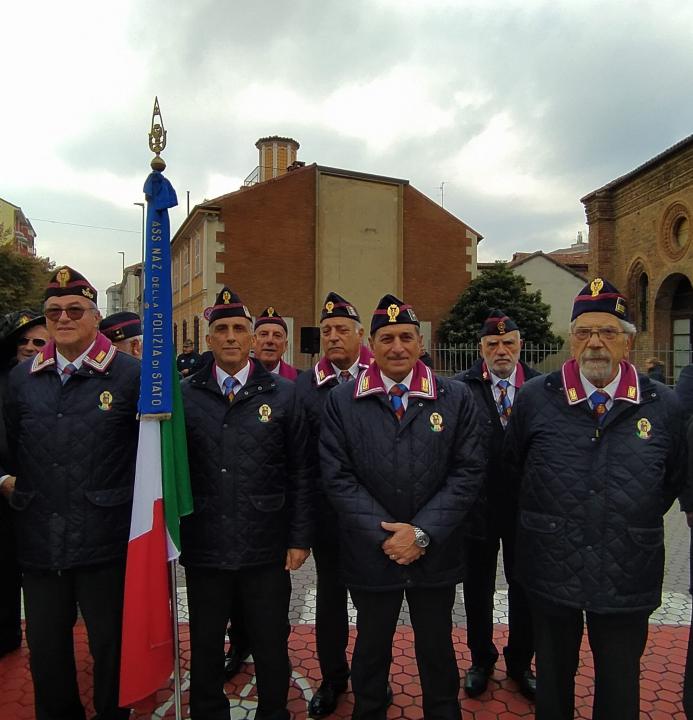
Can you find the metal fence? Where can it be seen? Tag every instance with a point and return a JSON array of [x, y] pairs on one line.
[[452, 359]]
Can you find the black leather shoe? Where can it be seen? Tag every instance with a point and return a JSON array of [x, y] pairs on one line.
[[234, 659], [526, 682], [476, 680], [324, 702]]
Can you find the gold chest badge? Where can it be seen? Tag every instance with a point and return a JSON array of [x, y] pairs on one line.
[[106, 400], [644, 428], [436, 420], [264, 413]]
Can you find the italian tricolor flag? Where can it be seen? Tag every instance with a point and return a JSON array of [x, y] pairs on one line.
[[161, 496]]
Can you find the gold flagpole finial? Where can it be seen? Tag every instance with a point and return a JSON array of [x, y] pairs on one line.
[[157, 138]]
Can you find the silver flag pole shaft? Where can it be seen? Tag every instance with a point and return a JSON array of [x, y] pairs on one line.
[[177, 692]]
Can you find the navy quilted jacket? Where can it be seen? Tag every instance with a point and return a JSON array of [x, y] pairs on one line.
[[426, 470], [73, 450], [592, 500], [251, 474]]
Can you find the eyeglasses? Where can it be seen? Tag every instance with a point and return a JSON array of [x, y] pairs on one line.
[[74, 312], [604, 333], [37, 342]]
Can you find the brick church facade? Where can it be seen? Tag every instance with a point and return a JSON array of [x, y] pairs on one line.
[[639, 237]]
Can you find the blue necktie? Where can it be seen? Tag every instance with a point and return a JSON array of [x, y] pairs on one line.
[[67, 372], [504, 406], [396, 393], [230, 384], [345, 376], [599, 399]]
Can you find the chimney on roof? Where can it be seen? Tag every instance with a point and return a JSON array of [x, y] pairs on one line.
[[276, 155]]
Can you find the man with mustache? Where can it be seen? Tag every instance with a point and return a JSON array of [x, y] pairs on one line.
[[597, 453]]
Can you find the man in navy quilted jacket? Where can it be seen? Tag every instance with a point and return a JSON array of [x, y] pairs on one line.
[[597, 452], [72, 429], [252, 479], [403, 464]]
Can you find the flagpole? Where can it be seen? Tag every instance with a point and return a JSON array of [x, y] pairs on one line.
[[177, 690], [157, 142]]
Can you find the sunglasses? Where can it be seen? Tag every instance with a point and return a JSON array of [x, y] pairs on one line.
[[37, 342], [74, 312]]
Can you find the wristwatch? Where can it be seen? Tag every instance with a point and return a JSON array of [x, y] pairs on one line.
[[421, 538]]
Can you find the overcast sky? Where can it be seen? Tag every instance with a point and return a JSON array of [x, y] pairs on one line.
[[520, 106]]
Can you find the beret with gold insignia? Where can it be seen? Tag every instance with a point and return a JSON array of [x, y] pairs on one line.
[[66, 281], [227, 304], [270, 315], [600, 295], [336, 306], [392, 310], [121, 326], [497, 323]]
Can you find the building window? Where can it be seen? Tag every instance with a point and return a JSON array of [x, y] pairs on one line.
[[176, 274], [196, 333], [185, 330], [186, 262], [197, 266], [175, 336], [643, 300], [675, 235]]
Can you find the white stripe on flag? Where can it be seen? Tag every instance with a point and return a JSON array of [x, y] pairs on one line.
[[147, 478]]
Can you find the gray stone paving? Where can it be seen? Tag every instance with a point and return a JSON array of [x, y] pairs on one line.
[[675, 609]]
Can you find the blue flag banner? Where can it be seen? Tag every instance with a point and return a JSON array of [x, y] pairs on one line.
[[156, 383]]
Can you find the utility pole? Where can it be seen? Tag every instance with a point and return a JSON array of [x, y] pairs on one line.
[[442, 193]]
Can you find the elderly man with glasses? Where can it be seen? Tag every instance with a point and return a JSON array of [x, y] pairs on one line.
[[597, 452], [72, 440]]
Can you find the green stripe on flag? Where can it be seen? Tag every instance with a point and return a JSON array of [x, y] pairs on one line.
[[174, 466]]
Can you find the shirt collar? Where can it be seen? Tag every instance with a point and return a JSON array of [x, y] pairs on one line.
[[275, 370], [389, 383], [241, 376], [511, 380], [353, 370], [61, 361]]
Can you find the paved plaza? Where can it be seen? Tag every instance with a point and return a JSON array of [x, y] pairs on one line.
[[663, 662]]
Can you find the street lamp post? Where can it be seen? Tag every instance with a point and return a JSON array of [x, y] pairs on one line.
[[122, 252], [141, 204]]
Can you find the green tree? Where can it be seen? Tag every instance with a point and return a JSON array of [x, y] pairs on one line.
[[23, 278], [499, 288]]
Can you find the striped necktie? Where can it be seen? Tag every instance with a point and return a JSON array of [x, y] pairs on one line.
[[504, 406], [67, 372], [599, 399], [396, 393], [345, 376], [230, 385]]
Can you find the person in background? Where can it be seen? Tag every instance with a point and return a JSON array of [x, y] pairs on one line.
[[124, 330], [654, 368], [188, 362], [495, 379], [23, 334]]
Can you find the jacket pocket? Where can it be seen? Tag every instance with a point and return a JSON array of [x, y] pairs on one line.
[[647, 538], [543, 550], [268, 503], [640, 567], [21, 499], [111, 497]]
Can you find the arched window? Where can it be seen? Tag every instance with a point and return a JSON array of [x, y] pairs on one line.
[[643, 301], [196, 333]]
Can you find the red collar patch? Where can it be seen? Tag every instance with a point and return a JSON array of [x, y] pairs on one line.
[[519, 374], [324, 372], [370, 382], [628, 387], [100, 356]]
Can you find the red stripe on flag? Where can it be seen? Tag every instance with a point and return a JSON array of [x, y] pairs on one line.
[[147, 644]]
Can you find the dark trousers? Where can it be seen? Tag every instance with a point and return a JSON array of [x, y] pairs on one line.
[[430, 610], [10, 584], [265, 593], [331, 615], [617, 641], [479, 588], [50, 603]]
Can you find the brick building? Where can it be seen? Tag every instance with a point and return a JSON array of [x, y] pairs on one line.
[[639, 239], [288, 238]]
